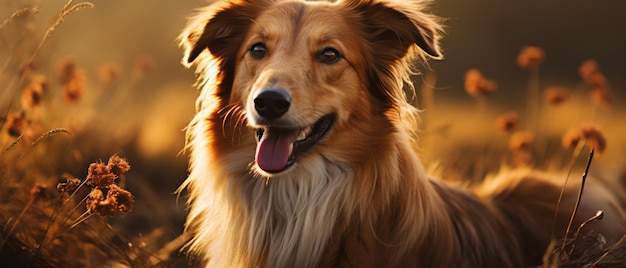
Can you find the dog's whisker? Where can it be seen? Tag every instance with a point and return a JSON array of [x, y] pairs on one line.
[[228, 112]]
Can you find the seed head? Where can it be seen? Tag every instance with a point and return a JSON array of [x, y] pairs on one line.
[[588, 68], [100, 175], [556, 95], [118, 165], [124, 199], [66, 69], [507, 122], [521, 141], [477, 85], [32, 95], [16, 124], [594, 136], [143, 65], [599, 215], [109, 73], [600, 96], [41, 192], [69, 186], [75, 87], [98, 205], [571, 138], [596, 80], [530, 57]]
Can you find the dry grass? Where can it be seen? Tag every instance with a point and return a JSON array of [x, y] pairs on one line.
[[52, 121]]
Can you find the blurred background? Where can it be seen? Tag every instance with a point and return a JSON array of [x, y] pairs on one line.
[[138, 97], [488, 34]]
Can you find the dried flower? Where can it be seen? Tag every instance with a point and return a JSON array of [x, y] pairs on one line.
[[594, 136], [596, 80], [124, 199], [70, 185], [556, 95], [530, 57], [66, 69], [588, 68], [590, 73], [507, 122], [109, 73], [600, 96], [74, 80], [589, 132], [98, 205], [34, 92], [103, 176], [521, 141], [16, 124], [571, 138], [116, 199], [41, 192], [143, 65], [118, 165], [476, 84], [100, 175], [75, 87]]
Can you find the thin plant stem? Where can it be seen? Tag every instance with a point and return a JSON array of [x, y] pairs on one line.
[[55, 215], [80, 219], [533, 99], [575, 155], [598, 216], [58, 233], [17, 220], [580, 195]]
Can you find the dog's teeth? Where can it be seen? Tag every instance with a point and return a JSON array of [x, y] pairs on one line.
[[304, 133], [302, 136]]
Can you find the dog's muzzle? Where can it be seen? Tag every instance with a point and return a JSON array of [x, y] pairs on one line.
[[279, 145]]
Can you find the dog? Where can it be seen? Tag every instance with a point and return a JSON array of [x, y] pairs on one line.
[[303, 148]]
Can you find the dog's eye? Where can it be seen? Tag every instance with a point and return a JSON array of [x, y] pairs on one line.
[[258, 50], [329, 55]]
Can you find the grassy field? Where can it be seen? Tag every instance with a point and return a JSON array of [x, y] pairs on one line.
[[93, 102]]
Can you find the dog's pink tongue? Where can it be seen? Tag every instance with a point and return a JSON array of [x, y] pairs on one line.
[[272, 151]]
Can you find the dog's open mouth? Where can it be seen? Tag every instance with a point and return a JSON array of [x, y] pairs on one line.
[[278, 148]]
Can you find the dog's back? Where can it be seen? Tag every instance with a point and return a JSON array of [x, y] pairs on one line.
[[529, 202]]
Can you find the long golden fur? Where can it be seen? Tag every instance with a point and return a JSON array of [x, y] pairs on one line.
[[330, 177]]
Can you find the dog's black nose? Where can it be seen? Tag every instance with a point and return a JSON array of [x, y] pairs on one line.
[[272, 103]]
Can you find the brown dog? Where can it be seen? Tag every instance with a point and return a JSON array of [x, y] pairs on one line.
[[302, 149]]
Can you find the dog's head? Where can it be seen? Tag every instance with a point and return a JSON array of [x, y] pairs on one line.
[[297, 72]]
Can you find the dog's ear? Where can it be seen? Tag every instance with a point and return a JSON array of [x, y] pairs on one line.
[[394, 34], [219, 28], [212, 39], [398, 25]]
